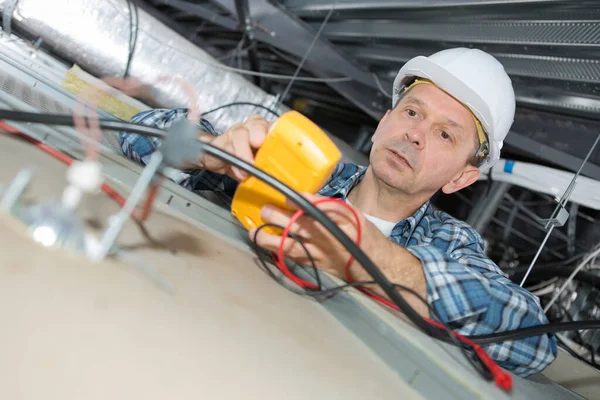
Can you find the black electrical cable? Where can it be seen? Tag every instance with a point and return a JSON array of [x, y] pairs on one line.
[[543, 273], [311, 210], [537, 330], [240, 103], [475, 361], [300, 242], [67, 120]]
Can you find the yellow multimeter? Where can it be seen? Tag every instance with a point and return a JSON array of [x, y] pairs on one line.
[[298, 153]]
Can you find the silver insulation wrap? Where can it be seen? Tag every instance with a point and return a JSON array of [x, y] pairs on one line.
[[95, 35]]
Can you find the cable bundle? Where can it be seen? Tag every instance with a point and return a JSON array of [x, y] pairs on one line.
[[396, 300]]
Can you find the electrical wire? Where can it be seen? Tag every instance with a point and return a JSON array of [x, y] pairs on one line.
[[380, 86], [67, 120], [482, 363], [66, 159], [314, 212], [300, 242], [288, 192], [133, 34], [312, 44], [476, 362], [563, 344], [544, 273], [588, 347], [241, 103], [571, 277], [286, 232], [537, 330]]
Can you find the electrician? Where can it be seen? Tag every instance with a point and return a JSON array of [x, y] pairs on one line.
[[450, 114]]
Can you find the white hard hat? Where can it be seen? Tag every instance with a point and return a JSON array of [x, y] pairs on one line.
[[477, 80]]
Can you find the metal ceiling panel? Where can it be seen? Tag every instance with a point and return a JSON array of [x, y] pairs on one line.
[[544, 33], [548, 67]]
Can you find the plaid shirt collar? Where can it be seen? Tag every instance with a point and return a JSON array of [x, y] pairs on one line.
[[347, 176]]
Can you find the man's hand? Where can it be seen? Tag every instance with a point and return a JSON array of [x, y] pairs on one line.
[[396, 263], [242, 140], [329, 255]]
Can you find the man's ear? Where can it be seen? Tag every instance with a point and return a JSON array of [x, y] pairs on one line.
[[466, 177]]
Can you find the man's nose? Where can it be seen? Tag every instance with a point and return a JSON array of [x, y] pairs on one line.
[[416, 136]]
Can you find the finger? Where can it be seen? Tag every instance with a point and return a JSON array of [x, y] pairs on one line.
[[305, 257], [291, 247], [211, 163], [241, 148], [308, 196], [258, 129], [280, 217], [264, 239], [338, 210]]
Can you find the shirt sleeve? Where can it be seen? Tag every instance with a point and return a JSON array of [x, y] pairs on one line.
[[139, 148], [472, 295]]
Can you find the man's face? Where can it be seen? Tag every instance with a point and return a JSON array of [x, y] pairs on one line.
[[423, 144]]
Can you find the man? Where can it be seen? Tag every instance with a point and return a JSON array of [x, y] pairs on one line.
[[451, 112]]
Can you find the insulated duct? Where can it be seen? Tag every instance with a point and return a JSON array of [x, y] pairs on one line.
[[95, 35]]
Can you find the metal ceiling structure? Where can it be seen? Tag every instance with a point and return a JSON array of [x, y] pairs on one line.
[[550, 48]]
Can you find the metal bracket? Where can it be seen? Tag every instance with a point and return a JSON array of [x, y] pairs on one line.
[[557, 220]]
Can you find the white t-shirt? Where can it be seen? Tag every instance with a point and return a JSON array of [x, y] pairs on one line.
[[384, 226]]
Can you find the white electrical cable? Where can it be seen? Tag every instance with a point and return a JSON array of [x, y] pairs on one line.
[[570, 278], [544, 291], [575, 347], [542, 285]]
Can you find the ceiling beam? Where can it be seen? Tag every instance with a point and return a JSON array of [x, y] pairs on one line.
[[530, 65], [344, 5], [539, 33], [275, 25]]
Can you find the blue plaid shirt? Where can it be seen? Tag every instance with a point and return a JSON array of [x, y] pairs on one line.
[[470, 293]]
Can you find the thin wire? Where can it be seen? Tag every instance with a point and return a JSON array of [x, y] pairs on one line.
[[241, 103], [380, 86], [133, 34], [329, 293], [570, 278], [537, 254], [567, 193], [299, 68], [544, 291], [542, 284], [300, 242], [561, 203], [254, 73]]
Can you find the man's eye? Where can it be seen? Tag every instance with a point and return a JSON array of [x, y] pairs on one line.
[[445, 135], [411, 113]]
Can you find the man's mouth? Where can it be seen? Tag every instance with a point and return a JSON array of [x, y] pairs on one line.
[[400, 157]]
